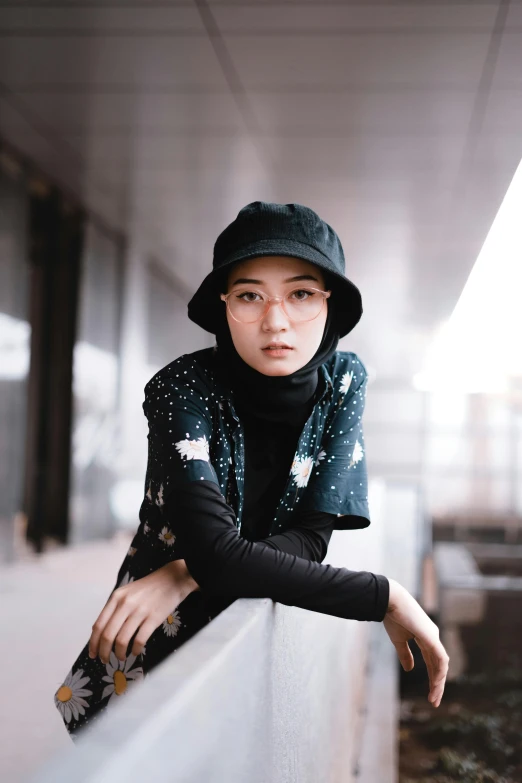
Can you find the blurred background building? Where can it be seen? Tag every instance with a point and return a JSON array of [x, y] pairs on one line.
[[131, 133]]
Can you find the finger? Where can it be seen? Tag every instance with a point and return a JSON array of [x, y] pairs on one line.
[[100, 623], [431, 667], [145, 631], [112, 628], [126, 632], [437, 691], [405, 655], [440, 665], [437, 664]]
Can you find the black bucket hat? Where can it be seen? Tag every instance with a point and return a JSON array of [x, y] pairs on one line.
[[265, 229]]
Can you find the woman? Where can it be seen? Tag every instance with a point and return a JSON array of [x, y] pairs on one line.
[[256, 455]]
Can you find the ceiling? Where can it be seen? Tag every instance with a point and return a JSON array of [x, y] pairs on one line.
[[399, 122]]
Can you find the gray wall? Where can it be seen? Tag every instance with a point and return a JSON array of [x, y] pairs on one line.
[[14, 346]]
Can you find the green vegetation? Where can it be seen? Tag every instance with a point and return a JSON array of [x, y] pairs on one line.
[[475, 737]]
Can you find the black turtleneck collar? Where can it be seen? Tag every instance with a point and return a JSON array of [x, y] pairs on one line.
[[284, 399]]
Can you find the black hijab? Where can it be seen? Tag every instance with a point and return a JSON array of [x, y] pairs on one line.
[[283, 399]]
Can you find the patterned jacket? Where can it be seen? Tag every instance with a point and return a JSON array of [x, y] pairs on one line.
[[194, 434]]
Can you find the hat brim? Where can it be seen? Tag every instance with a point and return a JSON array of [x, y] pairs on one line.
[[205, 306]]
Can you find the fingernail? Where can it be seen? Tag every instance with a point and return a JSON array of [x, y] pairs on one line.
[[91, 655]]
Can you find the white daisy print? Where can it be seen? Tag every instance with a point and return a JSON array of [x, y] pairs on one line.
[[159, 499], [194, 449], [119, 675], [132, 551], [126, 580], [148, 494], [357, 453], [167, 536], [320, 456], [146, 527], [172, 624], [346, 381], [70, 697], [301, 469]]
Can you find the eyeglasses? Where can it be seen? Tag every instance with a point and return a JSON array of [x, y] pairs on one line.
[[300, 304]]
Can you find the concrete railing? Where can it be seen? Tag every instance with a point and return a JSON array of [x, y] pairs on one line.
[[263, 693]]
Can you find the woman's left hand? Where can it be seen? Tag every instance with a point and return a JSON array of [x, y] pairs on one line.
[[406, 620], [144, 605]]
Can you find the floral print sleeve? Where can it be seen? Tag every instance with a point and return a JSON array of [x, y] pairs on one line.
[[338, 482]]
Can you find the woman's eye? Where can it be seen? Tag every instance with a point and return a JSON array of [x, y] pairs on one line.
[[245, 296], [302, 291]]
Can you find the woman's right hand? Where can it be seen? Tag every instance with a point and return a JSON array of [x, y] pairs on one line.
[[405, 620], [141, 607]]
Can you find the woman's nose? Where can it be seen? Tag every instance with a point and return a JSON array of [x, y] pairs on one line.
[[276, 316]]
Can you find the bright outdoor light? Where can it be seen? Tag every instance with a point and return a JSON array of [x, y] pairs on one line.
[[15, 336], [478, 348]]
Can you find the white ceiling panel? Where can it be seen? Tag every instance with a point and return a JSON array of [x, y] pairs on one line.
[[145, 61], [200, 192], [91, 20], [184, 231], [391, 205], [514, 16], [166, 154], [508, 68], [46, 155], [153, 187], [494, 161], [364, 195], [375, 5], [504, 113], [387, 118], [12, 123], [386, 165], [17, 128], [373, 158], [359, 112], [487, 172], [374, 59], [441, 272], [322, 17], [136, 113]]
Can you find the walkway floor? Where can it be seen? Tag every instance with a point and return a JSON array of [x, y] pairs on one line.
[[47, 607]]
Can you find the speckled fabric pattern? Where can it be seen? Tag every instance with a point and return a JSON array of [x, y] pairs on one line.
[[195, 434]]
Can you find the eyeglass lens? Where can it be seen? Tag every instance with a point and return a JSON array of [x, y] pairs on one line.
[[300, 305]]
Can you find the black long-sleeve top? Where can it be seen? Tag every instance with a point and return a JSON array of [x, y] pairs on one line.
[[285, 567]]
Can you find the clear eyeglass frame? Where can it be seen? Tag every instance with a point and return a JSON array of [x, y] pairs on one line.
[[279, 300]]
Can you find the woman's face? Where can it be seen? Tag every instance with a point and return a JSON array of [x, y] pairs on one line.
[[276, 276]]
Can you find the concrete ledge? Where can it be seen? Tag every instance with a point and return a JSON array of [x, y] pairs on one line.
[[378, 760], [264, 692]]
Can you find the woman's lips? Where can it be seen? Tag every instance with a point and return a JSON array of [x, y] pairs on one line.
[[277, 351]]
